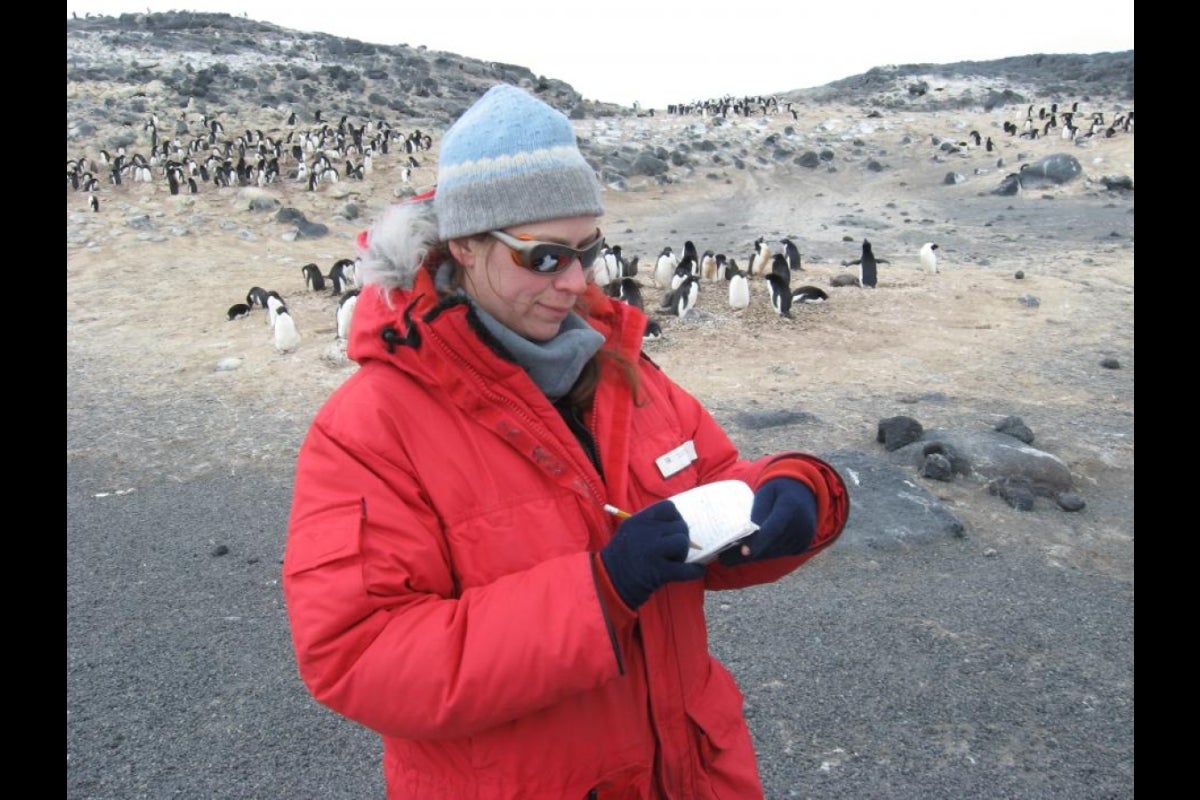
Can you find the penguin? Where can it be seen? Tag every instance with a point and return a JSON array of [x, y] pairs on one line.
[[338, 275], [808, 294], [689, 249], [345, 312], [683, 270], [631, 267], [606, 270], [682, 298], [274, 303], [653, 329], [630, 291], [287, 337], [760, 262], [708, 267], [313, 278], [929, 257], [990, 145], [664, 268], [93, 202], [257, 296], [739, 290], [781, 294], [792, 254], [237, 311], [866, 263], [779, 266]]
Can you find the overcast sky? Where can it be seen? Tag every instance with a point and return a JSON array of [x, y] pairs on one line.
[[655, 52]]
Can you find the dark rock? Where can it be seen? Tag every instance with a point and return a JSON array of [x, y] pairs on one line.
[[1016, 491], [1120, 182], [845, 279], [289, 214], [896, 432], [1020, 274], [1069, 501], [874, 166], [808, 159], [1010, 184], [1056, 168], [989, 455], [888, 511], [937, 467], [219, 551], [953, 179], [1110, 363], [1016, 427], [757, 420], [1029, 300], [959, 463], [311, 230], [648, 164]]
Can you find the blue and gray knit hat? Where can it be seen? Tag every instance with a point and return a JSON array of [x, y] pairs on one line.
[[511, 159]]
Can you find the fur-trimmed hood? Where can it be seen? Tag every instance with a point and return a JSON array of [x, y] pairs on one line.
[[399, 242]]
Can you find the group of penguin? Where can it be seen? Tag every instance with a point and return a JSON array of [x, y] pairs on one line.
[[681, 278], [285, 333]]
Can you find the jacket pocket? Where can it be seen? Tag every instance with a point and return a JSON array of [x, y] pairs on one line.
[[324, 537]]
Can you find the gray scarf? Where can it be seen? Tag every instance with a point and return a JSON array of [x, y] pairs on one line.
[[554, 365]]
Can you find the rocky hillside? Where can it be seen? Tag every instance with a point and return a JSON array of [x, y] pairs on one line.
[[194, 61]]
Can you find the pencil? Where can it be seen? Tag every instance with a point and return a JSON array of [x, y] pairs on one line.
[[619, 514]]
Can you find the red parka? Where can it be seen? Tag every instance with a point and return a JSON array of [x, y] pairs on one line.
[[442, 582]]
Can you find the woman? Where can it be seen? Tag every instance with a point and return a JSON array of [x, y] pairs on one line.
[[452, 578]]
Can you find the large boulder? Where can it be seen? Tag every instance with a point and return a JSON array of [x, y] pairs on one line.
[[1053, 169]]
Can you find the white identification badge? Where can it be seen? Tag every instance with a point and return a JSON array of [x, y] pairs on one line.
[[677, 459]]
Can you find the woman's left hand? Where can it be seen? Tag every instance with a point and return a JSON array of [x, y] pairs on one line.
[[785, 511]]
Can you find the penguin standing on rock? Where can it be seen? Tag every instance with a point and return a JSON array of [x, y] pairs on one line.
[[867, 264]]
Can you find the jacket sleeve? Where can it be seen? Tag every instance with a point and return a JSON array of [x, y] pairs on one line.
[[718, 459], [383, 636]]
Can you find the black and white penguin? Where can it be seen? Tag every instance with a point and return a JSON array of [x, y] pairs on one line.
[[781, 294], [340, 275], [929, 257], [345, 313], [630, 291], [739, 289], [257, 296], [683, 270], [313, 278], [274, 303], [682, 298], [779, 266], [792, 254], [867, 264], [237, 311], [760, 261], [664, 268], [689, 249], [708, 267], [809, 294], [93, 202], [653, 329], [287, 336]]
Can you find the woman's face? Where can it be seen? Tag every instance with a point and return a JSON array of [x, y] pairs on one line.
[[527, 303]]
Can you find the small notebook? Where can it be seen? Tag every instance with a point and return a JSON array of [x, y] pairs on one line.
[[717, 515]]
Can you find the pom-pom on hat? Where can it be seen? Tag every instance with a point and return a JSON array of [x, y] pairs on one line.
[[511, 159]]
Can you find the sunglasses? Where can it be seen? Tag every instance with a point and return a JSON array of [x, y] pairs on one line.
[[548, 258]]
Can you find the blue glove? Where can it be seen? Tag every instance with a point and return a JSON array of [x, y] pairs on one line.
[[648, 550], [785, 511]]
